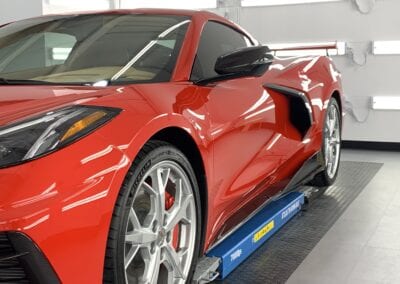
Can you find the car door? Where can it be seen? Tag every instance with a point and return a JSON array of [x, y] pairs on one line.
[[244, 130]]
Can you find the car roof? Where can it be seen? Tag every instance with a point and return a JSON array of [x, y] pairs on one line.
[[152, 11], [158, 11], [199, 14]]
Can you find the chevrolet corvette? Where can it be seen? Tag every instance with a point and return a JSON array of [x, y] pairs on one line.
[[134, 141]]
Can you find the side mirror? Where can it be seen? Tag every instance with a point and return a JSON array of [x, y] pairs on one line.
[[244, 61]]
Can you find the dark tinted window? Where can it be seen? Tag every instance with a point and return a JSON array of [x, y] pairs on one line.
[[216, 40], [91, 48]]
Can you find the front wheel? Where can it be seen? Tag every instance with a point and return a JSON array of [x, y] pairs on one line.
[[331, 147], [154, 235]]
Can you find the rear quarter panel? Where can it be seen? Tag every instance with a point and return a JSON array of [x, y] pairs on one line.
[[317, 77]]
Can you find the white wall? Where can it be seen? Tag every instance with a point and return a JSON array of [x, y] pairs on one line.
[[341, 21], [12, 10]]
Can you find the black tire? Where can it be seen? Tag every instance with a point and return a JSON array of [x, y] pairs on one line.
[[151, 154], [323, 179]]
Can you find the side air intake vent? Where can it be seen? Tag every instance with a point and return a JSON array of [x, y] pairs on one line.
[[300, 107]]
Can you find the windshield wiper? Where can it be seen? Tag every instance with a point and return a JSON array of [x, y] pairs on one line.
[[4, 81]]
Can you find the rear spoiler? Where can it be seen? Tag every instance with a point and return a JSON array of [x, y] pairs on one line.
[[326, 47]]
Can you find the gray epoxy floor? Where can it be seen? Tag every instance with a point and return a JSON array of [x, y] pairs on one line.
[[277, 259], [363, 246]]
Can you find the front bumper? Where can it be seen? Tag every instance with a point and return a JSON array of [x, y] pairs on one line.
[[21, 261], [62, 204]]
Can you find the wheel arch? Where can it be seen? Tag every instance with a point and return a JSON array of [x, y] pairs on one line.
[[336, 95], [185, 143]]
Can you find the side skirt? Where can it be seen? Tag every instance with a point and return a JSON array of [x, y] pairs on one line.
[[306, 173]]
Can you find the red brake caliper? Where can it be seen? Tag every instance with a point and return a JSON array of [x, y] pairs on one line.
[[169, 202]]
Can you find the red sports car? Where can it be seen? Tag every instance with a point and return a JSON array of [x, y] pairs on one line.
[[133, 141]]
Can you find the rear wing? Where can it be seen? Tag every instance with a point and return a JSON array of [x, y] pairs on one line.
[[327, 49]]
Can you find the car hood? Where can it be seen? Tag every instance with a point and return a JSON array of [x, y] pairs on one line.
[[18, 102]]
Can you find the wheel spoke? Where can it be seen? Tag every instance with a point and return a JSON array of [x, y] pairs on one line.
[[152, 263], [134, 219], [334, 115], [172, 258], [141, 236], [149, 189], [182, 252], [179, 209], [331, 127], [178, 214], [329, 167], [335, 139], [160, 183], [131, 255], [326, 149], [163, 177]]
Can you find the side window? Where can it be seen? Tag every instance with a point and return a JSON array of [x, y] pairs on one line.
[[216, 40]]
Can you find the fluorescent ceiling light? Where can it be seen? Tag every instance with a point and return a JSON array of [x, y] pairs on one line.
[[249, 3], [171, 4], [386, 47], [386, 103], [339, 50]]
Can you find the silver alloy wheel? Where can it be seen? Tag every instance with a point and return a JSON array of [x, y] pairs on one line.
[[161, 229], [332, 140]]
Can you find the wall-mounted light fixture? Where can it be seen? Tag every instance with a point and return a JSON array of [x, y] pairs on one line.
[[338, 48], [249, 3], [386, 47], [386, 103]]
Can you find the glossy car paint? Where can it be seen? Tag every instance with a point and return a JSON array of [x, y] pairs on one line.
[[64, 201]]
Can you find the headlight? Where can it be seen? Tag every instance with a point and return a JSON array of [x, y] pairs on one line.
[[32, 138]]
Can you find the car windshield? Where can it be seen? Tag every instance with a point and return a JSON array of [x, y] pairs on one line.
[[95, 49]]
